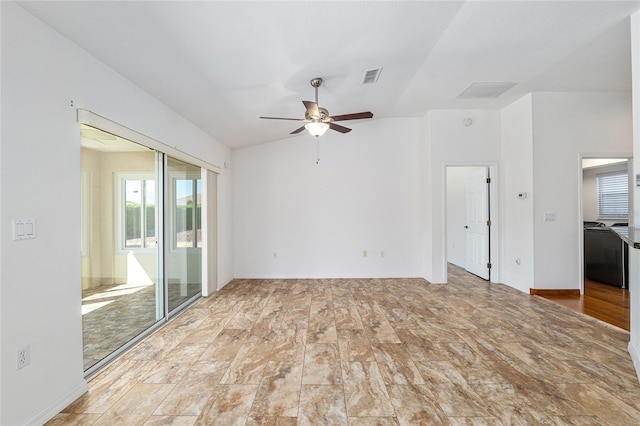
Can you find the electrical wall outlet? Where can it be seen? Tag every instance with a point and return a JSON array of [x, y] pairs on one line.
[[24, 357]]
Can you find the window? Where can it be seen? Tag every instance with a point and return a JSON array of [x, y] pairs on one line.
[[613, 195], [188, 213], [138, 212]]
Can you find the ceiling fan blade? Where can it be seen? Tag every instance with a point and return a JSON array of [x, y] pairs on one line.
[[354, 116], [298, 130], [281, 118], [339, 128], [312, 108]]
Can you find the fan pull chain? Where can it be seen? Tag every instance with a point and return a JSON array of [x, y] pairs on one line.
[[317, 151]]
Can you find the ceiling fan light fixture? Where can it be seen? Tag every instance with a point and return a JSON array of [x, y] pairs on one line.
[[318, 119], [317, 128]]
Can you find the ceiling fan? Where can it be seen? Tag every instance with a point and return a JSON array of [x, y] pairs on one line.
[[318, 120]]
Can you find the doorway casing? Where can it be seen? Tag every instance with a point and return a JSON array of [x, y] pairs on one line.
[[494, 239], [585, 156]]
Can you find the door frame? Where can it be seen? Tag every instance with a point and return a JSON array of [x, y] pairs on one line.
[[494, 215], [586, 156]]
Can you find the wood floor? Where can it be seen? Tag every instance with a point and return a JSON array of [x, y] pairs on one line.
[[369, 352], [605, 302]]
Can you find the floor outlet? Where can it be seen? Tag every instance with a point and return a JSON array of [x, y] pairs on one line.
[[24, 357]]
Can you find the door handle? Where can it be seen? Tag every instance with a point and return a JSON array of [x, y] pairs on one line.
[[466, 227]]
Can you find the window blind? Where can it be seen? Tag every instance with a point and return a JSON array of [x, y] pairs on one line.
[[613, 195]]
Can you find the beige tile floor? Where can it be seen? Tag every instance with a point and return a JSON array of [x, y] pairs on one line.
[[123, 312], [369, 352]]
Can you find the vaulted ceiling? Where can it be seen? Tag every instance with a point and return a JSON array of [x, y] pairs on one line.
[[222, 64]]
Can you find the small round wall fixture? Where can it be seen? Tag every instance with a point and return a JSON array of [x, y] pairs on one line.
[[467, 121]]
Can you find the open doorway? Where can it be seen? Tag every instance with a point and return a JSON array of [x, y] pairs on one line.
[[468, 218], [606, 202]]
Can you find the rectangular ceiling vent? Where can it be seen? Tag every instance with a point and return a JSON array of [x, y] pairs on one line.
[[485, 90], [371, 76]]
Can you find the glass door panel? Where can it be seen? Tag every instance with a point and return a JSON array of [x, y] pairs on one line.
[[122, 283], [141, 246], [184, 251]]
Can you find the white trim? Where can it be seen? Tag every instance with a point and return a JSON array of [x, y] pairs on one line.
[[59, 404], [85, 212], [494, 215], [587, 155], [635, 358], [94, 120], [209, 232], [314, 276]]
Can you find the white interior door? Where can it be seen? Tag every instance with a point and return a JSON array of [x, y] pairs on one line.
[[477, 222]]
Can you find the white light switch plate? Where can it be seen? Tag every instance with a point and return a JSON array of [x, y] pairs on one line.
[[549, 217], [24, 229]]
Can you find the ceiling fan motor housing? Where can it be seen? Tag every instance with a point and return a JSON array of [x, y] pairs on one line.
[[323, 115], [316, 82], [319, 118]]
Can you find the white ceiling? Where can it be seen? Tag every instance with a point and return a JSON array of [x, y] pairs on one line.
[[222, 64]]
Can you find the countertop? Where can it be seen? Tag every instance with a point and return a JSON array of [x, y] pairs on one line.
[[630, 235]]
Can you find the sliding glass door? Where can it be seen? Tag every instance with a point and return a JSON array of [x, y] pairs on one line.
[[141, 241], [184, 257], [121, 284]]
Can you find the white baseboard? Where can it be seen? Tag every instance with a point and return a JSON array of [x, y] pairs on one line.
[[60, 404], [635, 358], [313, 276]]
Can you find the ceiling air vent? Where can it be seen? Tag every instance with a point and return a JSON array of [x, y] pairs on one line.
[[485, 90], [371, 76]]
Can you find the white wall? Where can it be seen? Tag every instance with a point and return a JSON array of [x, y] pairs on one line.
[[566, 125], [39, 175], [319, 218], [634, 254], [2, 227], [517, 177], [426, 196], [449, 141]]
